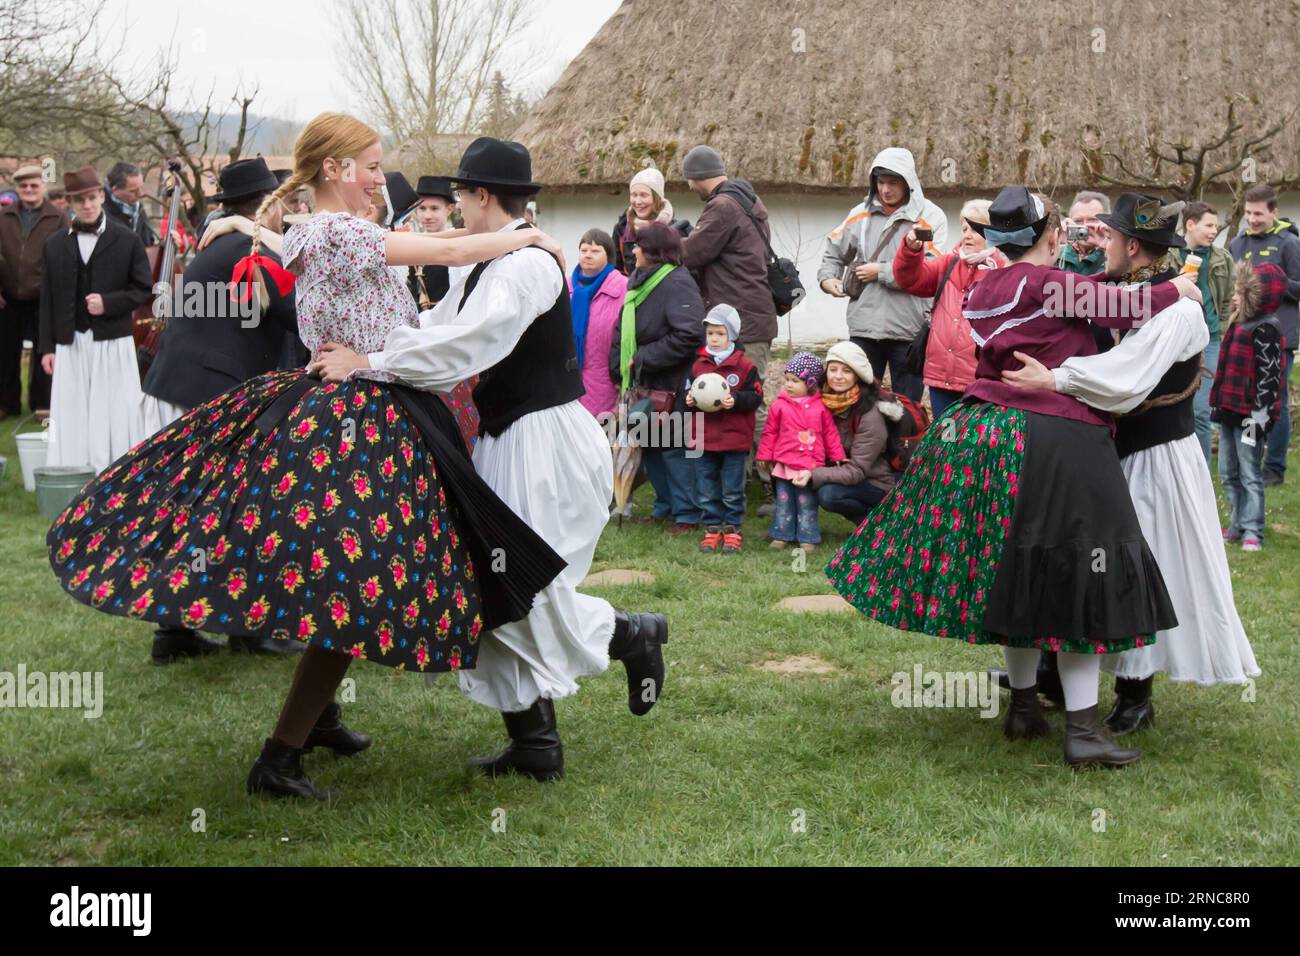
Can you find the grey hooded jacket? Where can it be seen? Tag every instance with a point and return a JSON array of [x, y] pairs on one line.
[[883, 311]]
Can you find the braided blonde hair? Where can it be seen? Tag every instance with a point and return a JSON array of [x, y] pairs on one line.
[[338, 136]]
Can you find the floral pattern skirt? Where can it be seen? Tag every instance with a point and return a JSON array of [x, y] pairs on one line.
[[323, 521], [966, 548]]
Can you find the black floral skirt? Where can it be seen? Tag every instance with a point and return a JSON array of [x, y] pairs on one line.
[[346, 516]]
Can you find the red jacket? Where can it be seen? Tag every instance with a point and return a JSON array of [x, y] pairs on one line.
[[731, 430], [950, 353], [800, 433]]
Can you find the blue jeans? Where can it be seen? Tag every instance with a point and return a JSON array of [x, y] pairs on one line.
[[1201, 403], [720, 487], [673, 478], [852, 501], [942, 399], [795, 516], [1243, 480], [1279, 437]]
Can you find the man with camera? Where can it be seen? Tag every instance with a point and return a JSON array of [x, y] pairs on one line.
[[858, 265]]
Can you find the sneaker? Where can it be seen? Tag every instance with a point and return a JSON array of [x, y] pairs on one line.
[[712, 540], [778, 545], [1273, 478], [731, 539], [1252, 543], [1230, 535], [807, 547]]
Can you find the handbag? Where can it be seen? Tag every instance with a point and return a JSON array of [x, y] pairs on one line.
[[849, 281], [915, 360]]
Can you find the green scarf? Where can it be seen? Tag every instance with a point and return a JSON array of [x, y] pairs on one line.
[[627, 331]]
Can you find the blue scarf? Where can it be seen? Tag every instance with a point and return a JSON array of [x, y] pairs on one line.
[[584, 289]]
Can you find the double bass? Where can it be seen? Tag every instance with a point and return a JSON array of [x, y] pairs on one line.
[[150, 320]]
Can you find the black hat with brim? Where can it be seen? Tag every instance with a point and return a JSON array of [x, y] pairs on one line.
[[497, 165], [435, 187], [244, 179], [1147, 218], [1016, 218], [401, 197]]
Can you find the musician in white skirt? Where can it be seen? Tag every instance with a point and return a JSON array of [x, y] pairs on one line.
[[1174, 499], [95, 275], [508, 321]]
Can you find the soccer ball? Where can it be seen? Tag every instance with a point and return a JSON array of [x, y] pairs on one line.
[[709, 391]]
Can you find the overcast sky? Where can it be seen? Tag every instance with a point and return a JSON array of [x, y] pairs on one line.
[[288, 46]]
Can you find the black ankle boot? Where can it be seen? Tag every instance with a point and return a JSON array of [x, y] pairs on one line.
[[1133, 709], [1025, 720], [170, 643], [638, 642], [278, 773], [534, 749], [330, 732], [263, 644], [1087, 746]]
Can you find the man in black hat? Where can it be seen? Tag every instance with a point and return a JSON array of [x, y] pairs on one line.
[[1150, 381], [428, 284], [546, 457], [212, 344]]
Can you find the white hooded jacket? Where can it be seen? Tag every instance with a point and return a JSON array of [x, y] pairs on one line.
[[883, 311]]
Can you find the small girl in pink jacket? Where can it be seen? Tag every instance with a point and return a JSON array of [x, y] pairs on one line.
[[800, 435]]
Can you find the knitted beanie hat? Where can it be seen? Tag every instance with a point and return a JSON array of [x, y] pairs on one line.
[[806, 367], [852, 355], [725, 316], [651, 178]]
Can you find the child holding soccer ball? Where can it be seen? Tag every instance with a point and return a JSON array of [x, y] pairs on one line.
[[728, 432]]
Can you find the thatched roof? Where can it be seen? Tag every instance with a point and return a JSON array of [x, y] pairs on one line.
[[802, 93]]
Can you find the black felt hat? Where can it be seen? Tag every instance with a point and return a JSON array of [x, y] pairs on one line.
[[497, 165], [401, 197], [244, 179], [1147, 218], [436, 187], [1016, 218]]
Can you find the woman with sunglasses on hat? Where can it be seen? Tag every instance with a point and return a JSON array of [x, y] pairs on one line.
[[1013, 524]]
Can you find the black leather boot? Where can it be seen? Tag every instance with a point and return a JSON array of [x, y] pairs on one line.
[[1025, 720], [1087, 746], [263, 644], [169, 643], [278, 773], [638, 642], [1049, 680], [330, 732], [1133, 709], [534, 749]]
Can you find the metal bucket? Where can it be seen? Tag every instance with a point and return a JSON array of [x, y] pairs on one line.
[[57, 485], [32, 447]]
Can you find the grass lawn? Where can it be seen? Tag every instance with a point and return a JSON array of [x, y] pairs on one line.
[[723, 771]]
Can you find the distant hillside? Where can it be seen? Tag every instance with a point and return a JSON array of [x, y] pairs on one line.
[[267, 134]]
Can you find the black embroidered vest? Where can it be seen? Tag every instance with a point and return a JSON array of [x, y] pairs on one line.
[[542, 370], [1155, 426]]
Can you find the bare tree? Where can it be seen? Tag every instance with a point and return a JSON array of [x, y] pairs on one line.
[[161, 123], [424, 68], [45, 64], [1231, 158]]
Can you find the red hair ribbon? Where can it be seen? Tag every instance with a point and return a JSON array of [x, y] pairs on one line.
[[241, 280]]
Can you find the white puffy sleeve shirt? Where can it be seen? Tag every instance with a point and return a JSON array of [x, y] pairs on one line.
[[449, 347], [1119, 380]]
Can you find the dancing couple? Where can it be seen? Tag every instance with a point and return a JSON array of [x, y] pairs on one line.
[[338, 505]]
